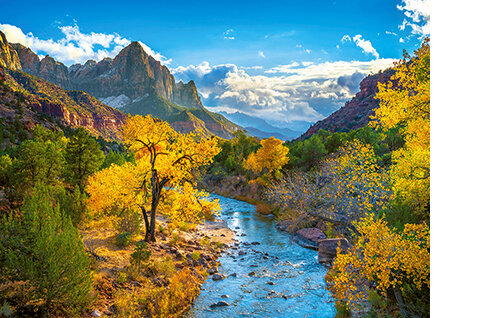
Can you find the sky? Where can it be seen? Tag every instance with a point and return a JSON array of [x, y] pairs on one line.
[[281, 61]]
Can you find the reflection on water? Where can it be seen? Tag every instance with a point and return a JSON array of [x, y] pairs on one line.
[[275, 278]]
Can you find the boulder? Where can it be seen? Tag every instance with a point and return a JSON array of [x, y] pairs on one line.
[[217, 277], [328, 248], [221, 303], [309, 237]]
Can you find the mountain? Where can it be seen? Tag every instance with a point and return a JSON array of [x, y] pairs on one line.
[[134, 82], [264, 134], [26, 100], [259, 127], [8, 55], [356, 112]]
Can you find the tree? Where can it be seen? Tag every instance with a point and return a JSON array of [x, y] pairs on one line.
[[166, 162], [83, 157], [405, 103], [348, 186], [38, 160], [385, 257], [271, 157], [43, 249]]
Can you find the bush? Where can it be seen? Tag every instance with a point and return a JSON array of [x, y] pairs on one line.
[[123, 239], [129, 221], [171, 301], [166, 266], [44, 250], [140, 255]]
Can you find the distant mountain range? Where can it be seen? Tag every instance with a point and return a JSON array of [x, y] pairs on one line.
[[259, 127], [135, 83]]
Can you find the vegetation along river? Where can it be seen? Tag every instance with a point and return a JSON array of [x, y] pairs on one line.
[[266, 275]]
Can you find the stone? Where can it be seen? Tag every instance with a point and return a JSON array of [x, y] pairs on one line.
[[252, 274], [96, 313], [270, 283], [233, 275], [211, 270], [224, 296], [327, 249], [221, 303], [217, 277], [255, 243], [309, 237]]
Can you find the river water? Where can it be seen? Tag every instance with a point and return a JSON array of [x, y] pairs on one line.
[[287, 280]]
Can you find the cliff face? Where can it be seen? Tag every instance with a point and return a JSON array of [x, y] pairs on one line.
[[8, 56], [132, 73], [356, 112]]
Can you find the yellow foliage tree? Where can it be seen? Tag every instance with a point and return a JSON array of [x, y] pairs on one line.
[[385, 257], [163, 175], [272, 156], [405, 102]]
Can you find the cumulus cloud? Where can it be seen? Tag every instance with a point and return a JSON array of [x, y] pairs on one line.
[[365, 45], [261, 54], [75, 46], [417, 16], [304, 91]]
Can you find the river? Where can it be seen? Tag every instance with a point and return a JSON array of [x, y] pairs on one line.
[[267, 275]]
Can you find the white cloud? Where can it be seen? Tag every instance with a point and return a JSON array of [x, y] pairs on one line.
[[303, 90], [157, 56], [417, 16], [390, 33], [261, 54], [307, 51], [365, 45], [74, 46], [401, 40], [345, 38]]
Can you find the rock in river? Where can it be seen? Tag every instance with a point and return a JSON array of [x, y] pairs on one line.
[[217, 277], [309, 237], [221, 303]]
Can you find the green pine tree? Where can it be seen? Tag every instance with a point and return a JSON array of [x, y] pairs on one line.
[[44, 249], [83, 157]]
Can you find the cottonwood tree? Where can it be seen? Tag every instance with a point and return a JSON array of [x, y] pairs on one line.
[[163, 174], [271, 157], [405, 103], [348, 186]]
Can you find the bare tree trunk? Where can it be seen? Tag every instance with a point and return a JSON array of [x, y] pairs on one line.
[[150, 237], [145, 218], [401, 305]]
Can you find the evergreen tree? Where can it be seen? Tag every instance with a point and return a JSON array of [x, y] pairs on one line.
[[83, 157], [43, 249]]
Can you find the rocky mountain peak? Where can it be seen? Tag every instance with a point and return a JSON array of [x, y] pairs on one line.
[[8, 56]]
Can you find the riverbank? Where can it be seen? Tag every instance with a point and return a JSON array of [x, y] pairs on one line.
[[193, 252]]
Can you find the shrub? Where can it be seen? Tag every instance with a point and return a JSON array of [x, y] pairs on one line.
[[129, 221], [140, 255], [123, 239], [166, 266], [171, 301]]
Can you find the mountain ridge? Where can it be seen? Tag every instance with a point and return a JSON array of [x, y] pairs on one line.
[[135, 83]]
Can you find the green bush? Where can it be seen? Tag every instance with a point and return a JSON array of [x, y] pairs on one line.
[[140, 255], [123, 239], [129, 221]]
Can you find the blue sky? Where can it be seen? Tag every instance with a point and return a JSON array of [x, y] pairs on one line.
[[278, 60]]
